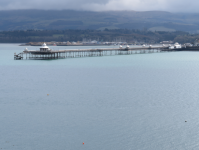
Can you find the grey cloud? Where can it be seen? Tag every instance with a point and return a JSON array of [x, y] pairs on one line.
[[48, 4], [100, 5]]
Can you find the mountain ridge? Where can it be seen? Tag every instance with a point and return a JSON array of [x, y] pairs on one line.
[[71, 19]]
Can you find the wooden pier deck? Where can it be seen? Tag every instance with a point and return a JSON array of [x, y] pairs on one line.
[[72, 53]]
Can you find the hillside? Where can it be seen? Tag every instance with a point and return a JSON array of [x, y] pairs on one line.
[[116, 35], [69, 19]]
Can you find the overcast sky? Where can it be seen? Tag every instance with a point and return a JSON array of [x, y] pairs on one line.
[[101, 5]]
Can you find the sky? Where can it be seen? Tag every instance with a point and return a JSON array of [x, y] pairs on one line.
[[103, 5]]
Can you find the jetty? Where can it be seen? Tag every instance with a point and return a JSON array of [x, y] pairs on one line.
[[46, 53]]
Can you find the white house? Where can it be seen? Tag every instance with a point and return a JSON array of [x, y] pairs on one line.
[[177, 45]]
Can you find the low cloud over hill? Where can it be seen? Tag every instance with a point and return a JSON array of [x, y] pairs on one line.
[[96, 5]]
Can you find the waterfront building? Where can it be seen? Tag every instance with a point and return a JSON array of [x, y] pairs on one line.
[[45, 48]]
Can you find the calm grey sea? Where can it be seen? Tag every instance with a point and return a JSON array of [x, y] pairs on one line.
[[126, 102]]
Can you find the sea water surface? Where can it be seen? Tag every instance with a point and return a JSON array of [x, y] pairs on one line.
[[123, 102]]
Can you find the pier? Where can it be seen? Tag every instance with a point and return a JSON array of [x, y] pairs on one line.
[[46, 53]]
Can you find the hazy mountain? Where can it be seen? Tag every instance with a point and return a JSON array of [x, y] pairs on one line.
[[70, 19]]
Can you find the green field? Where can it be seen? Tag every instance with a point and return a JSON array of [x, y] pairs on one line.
[[58, 35], [161, 29]]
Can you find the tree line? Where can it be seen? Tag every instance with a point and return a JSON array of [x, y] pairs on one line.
[[127, 35]]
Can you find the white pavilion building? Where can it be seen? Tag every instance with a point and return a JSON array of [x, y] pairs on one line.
[[45, 48]]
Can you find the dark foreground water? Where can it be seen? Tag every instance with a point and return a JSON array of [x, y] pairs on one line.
[[128, 102]]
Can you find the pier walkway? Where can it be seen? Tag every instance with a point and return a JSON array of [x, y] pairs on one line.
[[73, 53]]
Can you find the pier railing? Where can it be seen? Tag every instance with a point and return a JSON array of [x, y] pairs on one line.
[[86, 52]]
